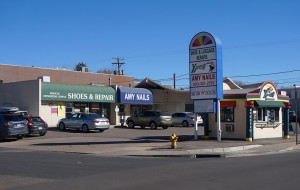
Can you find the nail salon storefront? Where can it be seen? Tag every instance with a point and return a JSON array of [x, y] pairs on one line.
[[133, 100]]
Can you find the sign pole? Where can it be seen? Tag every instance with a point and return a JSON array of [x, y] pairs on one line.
[[195, 127], [219, 132]]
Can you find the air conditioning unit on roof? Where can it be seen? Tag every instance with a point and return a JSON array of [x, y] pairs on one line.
[[84, 69]]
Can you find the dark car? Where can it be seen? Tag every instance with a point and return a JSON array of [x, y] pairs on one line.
[[13, 125], [36, 125], [153, 119]]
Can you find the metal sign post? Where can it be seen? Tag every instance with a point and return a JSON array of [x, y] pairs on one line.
[[206, 75], [219, 132], [195, 127]]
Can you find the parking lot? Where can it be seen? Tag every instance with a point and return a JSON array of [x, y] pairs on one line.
[[115, 141]]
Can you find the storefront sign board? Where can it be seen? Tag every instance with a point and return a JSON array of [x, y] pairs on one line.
[[77, 93], [206, 74], [134, 95]]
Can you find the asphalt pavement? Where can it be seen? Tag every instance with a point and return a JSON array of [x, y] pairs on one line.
[[149, 146]]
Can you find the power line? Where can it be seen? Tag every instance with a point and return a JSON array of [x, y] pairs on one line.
[[241, 76], [245, 76]]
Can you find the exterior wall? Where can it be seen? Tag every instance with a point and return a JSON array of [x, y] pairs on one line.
[[113, 116], [10, 73], [47, 115], [270, 131], [24, 95], [239, 123], [170, 101]]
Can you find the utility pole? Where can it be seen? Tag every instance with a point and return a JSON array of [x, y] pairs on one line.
[[174, 80], [119, 64]]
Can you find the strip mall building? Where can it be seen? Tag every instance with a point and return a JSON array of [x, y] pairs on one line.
[[247, 112]]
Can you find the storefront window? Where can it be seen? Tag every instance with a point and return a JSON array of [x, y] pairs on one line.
[[134, 109], [227, 114], [69, 109], [81, 107], [94, 107], [267, 114]]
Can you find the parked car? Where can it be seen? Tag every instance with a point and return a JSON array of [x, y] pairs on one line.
[[185, 119], [13, 125], [153, 119], [24, 113], [8, 109], [85, 122], [36, 125], [15, 110]]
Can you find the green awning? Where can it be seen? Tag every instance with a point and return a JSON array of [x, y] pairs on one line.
[[272, 104], [77, 93]]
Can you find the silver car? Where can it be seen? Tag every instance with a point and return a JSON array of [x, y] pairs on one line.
[[185, 119], [85, 122]]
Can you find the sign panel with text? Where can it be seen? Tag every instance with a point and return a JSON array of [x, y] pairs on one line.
[[206, 74]]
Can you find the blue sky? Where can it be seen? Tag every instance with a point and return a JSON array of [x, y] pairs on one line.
[[258, 36]]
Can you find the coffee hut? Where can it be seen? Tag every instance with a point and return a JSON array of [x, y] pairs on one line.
[[251, 112]]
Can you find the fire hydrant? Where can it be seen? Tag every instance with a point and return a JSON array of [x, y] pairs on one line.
[[173, 139]]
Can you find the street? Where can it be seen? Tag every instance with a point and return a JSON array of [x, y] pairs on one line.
[[24, 169]]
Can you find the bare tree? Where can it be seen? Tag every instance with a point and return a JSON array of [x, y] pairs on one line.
[[106, 71]]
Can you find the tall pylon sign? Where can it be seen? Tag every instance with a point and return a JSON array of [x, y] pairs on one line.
[[206, 74]]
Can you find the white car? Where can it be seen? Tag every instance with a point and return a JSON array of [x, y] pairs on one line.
[[185, 119]]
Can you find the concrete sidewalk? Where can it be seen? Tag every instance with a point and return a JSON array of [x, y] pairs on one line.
[[224, 148]]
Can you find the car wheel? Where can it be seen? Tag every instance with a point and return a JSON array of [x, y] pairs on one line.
[[130, 124], [20, 136], [101, 130], [85, 128], [62, 126], [142, 126], [185, 123], [153, 125], [43, 133], [165, 127]]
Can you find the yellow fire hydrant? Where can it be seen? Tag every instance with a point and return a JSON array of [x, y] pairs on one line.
[[173, 139]]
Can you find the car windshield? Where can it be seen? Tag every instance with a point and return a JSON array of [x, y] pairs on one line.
[[164, 114], [36, 119], [14, 117], [190, 114]]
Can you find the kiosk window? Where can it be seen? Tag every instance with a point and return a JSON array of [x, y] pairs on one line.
[[227, 114], [268, 114]]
